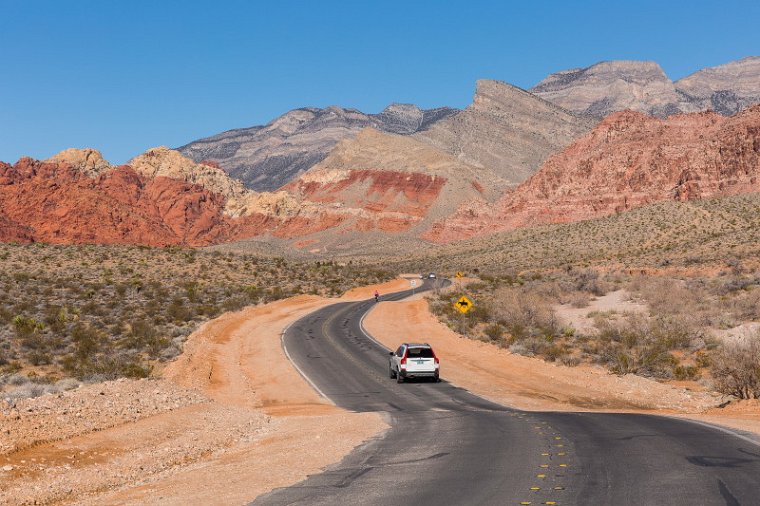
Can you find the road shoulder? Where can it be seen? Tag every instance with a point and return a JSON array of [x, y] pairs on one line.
[[532, 384]]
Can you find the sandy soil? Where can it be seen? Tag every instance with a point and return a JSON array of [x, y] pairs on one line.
[[230, 408], [532, 384], [617, 302]]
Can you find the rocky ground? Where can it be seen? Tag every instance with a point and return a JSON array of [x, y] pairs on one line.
[[231, 405]]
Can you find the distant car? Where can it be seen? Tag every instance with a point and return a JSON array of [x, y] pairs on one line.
[[431, 275], [412, 360]]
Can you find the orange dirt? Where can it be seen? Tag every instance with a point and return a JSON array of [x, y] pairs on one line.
[[247, 416]]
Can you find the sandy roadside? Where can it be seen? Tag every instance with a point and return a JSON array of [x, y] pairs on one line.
[[229, 420], [532, 384]]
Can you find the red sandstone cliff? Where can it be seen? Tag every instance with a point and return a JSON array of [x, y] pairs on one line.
[[628, 160], [54, 202]]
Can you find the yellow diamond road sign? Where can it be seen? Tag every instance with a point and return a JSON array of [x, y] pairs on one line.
[[463, 304], [459, 274]]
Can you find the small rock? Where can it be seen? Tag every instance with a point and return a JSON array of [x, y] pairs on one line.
[[8, 468]]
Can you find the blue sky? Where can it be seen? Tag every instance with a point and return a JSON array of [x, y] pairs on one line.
[[123, 76]]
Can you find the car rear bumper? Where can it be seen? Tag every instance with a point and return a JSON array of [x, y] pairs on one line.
[[419, 374]]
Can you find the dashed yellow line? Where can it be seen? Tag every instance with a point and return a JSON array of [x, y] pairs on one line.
[[540, 476]]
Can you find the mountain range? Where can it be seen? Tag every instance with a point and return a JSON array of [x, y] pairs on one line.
[[269, 156], [317, 179], [642, 86]]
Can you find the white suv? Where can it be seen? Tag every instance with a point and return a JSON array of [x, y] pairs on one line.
[[413, 361]]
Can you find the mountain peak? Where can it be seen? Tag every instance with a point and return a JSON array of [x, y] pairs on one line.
[[643, 86], [726, 89], [87, 160]]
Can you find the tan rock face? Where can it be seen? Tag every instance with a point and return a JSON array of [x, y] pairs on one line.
[[506, 130], [239, 201], [612, 86], [88, 161], [629, 160]]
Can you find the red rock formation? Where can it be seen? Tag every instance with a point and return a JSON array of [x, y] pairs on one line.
[[53, 202], [10, 231], [627, 161], [374, 191], [58, 202]]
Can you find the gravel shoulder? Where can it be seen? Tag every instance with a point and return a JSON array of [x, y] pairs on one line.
[[532, 384], [228, 420]]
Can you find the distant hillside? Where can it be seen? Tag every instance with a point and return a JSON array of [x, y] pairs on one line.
[[267, 157], [696, 234], [627, 161], [642, 86]]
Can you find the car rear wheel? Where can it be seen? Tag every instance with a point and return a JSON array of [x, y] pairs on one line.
[[399, 378]]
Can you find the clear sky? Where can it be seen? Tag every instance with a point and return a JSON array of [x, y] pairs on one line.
[[123, 76]]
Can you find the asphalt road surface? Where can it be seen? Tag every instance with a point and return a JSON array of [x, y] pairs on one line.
[[447, 446]]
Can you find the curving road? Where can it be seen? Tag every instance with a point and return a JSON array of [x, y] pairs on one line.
[[447, 446]]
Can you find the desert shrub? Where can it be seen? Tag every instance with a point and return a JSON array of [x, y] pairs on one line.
[[26, 327], [579, 299], [524, 313], [736, 368], [589, 280], [76, 317], [494, 331], [178, 311], [686, 372], [640, 345]]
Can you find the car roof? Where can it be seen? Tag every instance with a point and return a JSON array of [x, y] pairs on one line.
[[417, 345]]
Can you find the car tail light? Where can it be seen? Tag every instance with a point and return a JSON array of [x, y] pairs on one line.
[[403, 359], [435, 357]]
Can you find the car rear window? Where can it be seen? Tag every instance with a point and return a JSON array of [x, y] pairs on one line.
[[420, 352]]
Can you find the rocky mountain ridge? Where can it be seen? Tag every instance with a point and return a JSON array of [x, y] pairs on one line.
[[267, 157], [376, 182], [629, 160], [505, 130], [643, 86]]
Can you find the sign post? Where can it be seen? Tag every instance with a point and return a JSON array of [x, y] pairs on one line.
[[463, 305], [414, 284], [459, 275]]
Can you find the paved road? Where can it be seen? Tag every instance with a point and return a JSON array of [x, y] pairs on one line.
[[447, 446]]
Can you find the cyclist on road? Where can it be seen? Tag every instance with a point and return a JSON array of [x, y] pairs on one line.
[[377, 296]]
